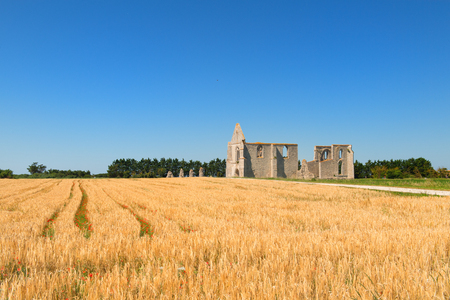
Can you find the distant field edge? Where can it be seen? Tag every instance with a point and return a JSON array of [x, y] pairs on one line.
[[440, 187]]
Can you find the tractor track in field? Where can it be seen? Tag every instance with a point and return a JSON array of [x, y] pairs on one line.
[[25, 197], [146, 228], [81, 218], [49, 227], [183, 225]]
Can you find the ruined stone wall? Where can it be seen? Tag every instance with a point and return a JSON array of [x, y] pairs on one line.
[[330, 162], [313, 167], [235, 160], [328, 169], [281, 160], [258, 165], [287, 167], [264, 160], [235, 154]]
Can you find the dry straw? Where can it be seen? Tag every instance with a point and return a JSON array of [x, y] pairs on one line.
[[220, 239]]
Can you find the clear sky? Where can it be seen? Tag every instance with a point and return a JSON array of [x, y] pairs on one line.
[[85, 82]]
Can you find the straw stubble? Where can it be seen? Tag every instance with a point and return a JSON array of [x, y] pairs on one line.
[[220, 239]]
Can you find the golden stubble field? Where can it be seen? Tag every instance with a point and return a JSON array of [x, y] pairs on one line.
[[206, 238]]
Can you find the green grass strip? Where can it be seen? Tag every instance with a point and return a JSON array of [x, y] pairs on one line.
[[81, 216], [49, 228], [146, 228]]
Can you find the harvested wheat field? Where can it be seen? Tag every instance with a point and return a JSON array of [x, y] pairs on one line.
[[206, 238]]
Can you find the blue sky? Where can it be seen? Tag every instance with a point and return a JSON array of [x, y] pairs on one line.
[[85, 82]]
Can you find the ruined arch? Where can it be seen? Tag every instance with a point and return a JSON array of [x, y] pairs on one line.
[[325, 155]]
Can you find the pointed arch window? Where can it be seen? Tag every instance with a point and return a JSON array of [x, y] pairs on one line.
[[326, 154], [259, 152]]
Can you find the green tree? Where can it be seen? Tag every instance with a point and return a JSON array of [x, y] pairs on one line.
[[443, 172], [394, 173], [34, 168], [6, 173], [379, 171]]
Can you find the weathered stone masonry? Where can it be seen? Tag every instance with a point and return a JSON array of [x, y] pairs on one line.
[[281, 160], [330, 162], [260, 159]]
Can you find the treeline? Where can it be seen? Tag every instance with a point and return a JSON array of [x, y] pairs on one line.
[[55, 173], [40, 171], [154, 168], [400, 168], [6, 173]]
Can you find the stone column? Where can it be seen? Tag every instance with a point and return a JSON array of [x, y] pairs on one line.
[[273, 161]]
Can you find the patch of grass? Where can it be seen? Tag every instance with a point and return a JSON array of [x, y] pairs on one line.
[[71, 190], [409, 194], [146, 228], [14, 268], [49, 228], [81, 216]]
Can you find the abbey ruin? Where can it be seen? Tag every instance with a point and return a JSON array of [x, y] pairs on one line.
[[271, 160]]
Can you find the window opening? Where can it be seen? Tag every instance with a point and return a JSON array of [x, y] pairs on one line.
[[340, 168], [237, 154], [325, 155], [340, 153], [285, 152], [259, 151]]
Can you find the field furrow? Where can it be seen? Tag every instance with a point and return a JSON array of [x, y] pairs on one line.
[[49, 227], [108, 217], [81, 218], [25, 216], [10, 195]]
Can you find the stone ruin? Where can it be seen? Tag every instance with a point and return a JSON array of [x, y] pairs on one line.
[[191, 173], [330, 162], [265, 160]]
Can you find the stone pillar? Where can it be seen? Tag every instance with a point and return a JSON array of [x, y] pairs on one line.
[[169, 174], [191, 173], [241, 164], [201, 172], [273, 161], [350, 163], [181, 173]]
